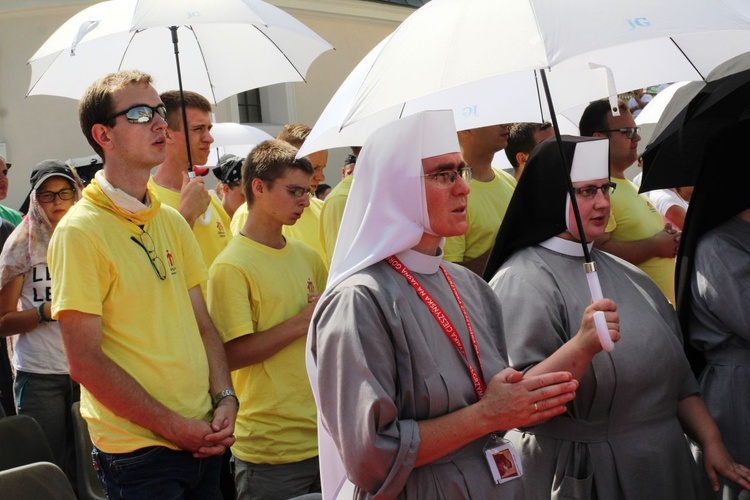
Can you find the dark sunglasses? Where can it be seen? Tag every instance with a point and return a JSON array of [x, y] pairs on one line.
[[140, 113]]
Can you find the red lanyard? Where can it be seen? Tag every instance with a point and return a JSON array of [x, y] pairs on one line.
[[445, 322]]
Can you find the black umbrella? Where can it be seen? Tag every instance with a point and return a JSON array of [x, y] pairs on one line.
[[721, 192], [696, 117], [701, 144]]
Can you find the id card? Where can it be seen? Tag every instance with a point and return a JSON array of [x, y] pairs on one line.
[[504, 462]]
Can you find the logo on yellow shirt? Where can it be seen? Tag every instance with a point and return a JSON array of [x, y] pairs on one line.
[[170, 259]]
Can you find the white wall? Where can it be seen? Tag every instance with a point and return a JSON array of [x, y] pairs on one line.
[[41, 127]]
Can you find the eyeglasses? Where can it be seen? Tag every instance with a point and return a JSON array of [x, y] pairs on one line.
[[589, 192], [447, 178], [147, 244], [296, 191], [629, 132], [49, 196], [141, 113]]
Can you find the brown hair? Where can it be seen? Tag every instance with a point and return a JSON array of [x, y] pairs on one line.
[[173, 103], [269, 161], [521, 139], [96, 104]]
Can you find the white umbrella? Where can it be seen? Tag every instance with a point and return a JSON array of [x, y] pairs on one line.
[[649, 116], [644, 43], [475, 104], [225, 47], [235, 138], [237, 134], [653, 110], [229, 46]]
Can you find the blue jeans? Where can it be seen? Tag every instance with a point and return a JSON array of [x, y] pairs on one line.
[[158, 472]]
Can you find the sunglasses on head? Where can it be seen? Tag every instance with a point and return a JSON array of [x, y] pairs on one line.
[[140, 113]]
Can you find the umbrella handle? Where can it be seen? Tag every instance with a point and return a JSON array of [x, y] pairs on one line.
[[599, 320]]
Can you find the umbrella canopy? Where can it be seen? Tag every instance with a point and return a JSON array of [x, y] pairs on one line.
[[225, 47], [494, 75], [237, 134], [697, 115], [475, 104], [566, 39], [235, 138], [653, 111]]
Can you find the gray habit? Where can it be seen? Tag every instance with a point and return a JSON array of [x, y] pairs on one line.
[[620, 438], [720, 327], [384, 363]]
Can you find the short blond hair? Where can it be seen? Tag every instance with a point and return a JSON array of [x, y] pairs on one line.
[[294, 133]]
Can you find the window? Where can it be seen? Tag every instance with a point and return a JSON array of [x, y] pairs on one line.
[[249, 106]]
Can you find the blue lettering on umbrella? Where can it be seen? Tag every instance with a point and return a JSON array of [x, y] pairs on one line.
[[638, 22]]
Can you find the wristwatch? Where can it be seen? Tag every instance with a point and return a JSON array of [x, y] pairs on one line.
[[226, 393]]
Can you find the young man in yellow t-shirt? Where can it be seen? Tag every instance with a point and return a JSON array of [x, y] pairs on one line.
[[262, 291], [125, 287], [490, 194], [202, 210], [636, 231]]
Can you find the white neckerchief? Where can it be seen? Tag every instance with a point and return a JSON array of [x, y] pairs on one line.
[[421, 263], [566, 247], [119, 197]]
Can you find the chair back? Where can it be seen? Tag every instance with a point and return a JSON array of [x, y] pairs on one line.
[[22, 442], [34, 481]]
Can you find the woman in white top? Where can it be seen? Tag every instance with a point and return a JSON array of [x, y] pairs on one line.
[[43, 388]]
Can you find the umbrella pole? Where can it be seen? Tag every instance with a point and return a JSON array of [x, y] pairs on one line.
[[589, 265], [568, 182], [173, 29]]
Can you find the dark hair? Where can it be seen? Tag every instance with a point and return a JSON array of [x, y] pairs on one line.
[[521, 139], [321, 189], [594, 118], [173, 103], [269, 160], [96, 104]]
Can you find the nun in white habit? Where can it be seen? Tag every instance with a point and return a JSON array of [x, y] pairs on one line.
[[408, 410], [622, 437]]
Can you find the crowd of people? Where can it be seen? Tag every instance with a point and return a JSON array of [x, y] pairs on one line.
[[423, 329]]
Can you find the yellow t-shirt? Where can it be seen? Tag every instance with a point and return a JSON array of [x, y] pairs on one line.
[[238, 219], [212, 236], [635, 218], [306, 229], [252, 288], [331, 215], [147, 324], [487, 204]]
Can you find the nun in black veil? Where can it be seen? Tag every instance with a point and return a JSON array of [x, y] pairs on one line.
[[622, 437], [713, 290]]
